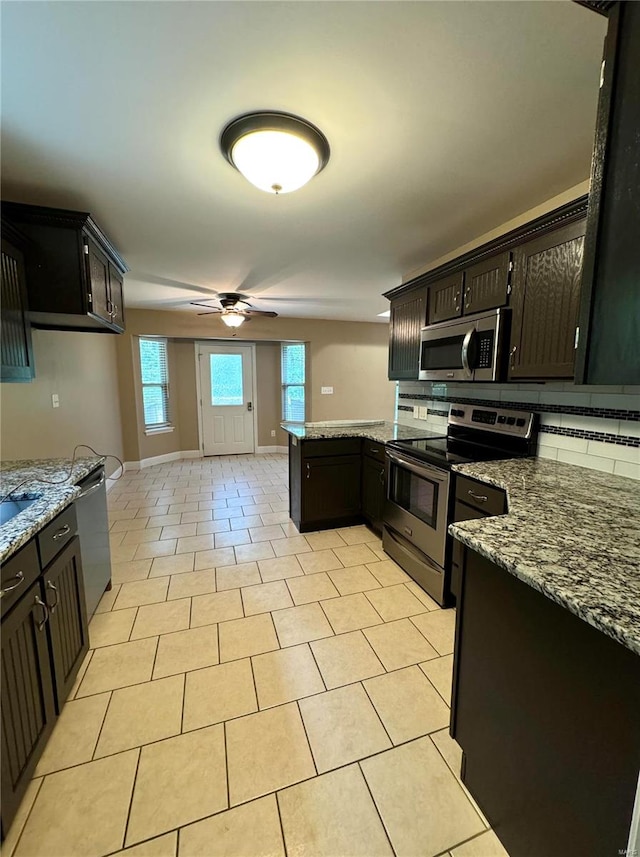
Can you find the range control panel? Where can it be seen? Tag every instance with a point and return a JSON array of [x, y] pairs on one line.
[[485, 349], [516, 423]]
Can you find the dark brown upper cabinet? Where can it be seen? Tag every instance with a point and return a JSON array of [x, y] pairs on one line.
[[609, 323], [545, 298], [408, 317], [74, 273], [486, 285], [445, 299], [15, 347]]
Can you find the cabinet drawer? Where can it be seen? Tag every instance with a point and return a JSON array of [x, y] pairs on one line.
[[57, 534], [18, 573], [489, 500], [374, 448], [337, 446]]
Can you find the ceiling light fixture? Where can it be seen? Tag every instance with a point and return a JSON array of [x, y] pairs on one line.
[[231, 317], [276, 152]]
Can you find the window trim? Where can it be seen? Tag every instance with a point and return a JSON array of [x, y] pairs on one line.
[[167, 426], [284, 385]]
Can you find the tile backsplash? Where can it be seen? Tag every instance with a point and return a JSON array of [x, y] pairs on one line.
[[597, 427]]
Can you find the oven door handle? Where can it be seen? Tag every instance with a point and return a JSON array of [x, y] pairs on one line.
[[420, 469], [466, 344]]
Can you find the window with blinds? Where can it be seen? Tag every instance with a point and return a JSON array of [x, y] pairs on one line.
[[293, 375], [154, 371]]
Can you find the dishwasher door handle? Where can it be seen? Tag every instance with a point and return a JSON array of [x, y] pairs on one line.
[[92, 488]]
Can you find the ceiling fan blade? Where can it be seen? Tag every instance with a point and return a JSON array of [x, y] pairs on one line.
[[201, 303], [251, 312], [213, 312]]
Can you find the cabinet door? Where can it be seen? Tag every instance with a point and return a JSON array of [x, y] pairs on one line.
[[64, 591], [373, 490], [28, 710], [16, 351], [445, 299], [116, 297], [98, 277], [486, 285], [408, 317], [331, 488], [545, 299]]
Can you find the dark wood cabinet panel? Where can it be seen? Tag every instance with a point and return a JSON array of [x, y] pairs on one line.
[[545, 298], [373, 491], [545, 708], [116, 296], [332, 488], [16, 350], [445, 299], [408, 317], [486, 284], [610, 305], [64, 593], [28, 710], [69, 280]]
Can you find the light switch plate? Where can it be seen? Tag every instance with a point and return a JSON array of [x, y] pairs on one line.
[[423, 414], [416, 412], [55, 400], [326, 391]]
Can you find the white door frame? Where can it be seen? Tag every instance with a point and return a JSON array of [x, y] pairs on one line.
[[222, 344]]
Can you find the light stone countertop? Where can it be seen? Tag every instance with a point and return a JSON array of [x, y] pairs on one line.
[[19, 480], [381, 431], [571, 533]]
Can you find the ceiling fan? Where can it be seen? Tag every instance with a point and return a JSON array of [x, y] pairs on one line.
[[234, 309]]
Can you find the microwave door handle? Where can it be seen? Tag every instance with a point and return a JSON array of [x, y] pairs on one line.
[[465, 352]]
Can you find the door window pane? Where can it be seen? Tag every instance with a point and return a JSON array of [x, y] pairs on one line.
[[226, 379]]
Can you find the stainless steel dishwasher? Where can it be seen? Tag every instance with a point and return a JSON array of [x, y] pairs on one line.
[[93, 529]]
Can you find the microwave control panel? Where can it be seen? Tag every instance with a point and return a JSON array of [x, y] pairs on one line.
[[485, 349]]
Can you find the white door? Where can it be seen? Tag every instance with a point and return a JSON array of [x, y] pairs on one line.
[[226, 393]]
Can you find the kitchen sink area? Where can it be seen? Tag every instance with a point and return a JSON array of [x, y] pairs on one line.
[[10, 508]]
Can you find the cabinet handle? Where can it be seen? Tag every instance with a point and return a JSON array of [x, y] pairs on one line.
[[374, 451], [40, 603], [513, 356], [61, 532], [19, 578], [481, 498], [54, 589], [308, 470], [382, 477], [114, 311], [467, 296]]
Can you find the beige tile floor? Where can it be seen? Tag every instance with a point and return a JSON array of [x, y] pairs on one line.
[[250, 691]]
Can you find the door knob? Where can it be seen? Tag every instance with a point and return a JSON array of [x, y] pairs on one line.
[[249, 406]]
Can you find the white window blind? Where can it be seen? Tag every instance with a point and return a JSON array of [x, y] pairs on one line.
[[293, 376], [154, 371]]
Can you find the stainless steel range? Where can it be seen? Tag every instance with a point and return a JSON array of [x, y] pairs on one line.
[[418, 507]]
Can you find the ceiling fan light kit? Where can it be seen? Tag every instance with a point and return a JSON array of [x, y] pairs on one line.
[[276, 152], [231, 317], [234, 309]]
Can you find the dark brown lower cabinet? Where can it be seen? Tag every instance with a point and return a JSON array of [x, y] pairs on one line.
[[28, 706], [373, 491], [332, 490], [545, 708], [69, 635], [44, 640]]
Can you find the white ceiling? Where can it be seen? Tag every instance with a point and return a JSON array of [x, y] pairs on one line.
[[445, 119]]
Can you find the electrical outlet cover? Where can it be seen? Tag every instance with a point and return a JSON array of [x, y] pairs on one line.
[[423, 414], [326, 391], [416, 412]]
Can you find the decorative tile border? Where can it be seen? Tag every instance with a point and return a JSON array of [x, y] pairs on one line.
[[602, 437], [540, 407]]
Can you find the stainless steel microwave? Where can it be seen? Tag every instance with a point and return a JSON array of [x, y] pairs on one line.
[[472, 348]]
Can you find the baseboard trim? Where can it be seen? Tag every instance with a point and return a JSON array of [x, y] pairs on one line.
[[260, 450], [162, 459]]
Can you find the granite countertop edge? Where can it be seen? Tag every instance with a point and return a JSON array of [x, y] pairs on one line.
[[19, 481], [380, 431], [583, 555]]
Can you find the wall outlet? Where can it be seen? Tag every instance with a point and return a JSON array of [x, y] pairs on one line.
[[273, 432], [423, 414], [55, 400], [416, 412], [326, 391]]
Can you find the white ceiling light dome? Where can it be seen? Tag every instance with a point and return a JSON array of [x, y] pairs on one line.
[[276, 152], [231, 317]]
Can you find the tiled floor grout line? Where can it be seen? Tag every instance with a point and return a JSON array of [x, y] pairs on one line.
[[457, 778], [226, 764], [133, 791], [24, 826], [373, 800], [306, 735], [102, 722], [373, 705], [284, 839]]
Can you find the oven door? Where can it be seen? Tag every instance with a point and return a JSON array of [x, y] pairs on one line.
[[417, 500]]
